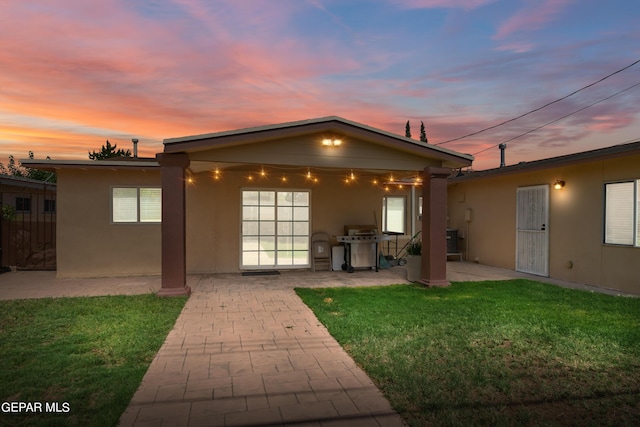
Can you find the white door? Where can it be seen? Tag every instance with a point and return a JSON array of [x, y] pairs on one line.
[[532, 230]]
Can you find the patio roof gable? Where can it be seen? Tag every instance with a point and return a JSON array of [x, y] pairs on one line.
[[232, 146]]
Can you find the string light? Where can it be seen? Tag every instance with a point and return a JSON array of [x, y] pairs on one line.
[[388, 184], [216, 174]]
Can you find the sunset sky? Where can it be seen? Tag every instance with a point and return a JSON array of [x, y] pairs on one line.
[[76, 73]]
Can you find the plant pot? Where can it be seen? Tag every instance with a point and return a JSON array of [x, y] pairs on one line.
[[414, 264]]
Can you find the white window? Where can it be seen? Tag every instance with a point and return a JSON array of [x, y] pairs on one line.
[[275, 228], [136, 204], [622, 213], [393, 214]]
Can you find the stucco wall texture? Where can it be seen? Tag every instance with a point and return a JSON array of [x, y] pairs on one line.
[[576, 220], [90, 245]]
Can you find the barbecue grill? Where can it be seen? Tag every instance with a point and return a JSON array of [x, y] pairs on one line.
[[361, 246]]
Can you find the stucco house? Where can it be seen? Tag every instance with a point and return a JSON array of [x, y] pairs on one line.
[[573, 217], [248, 199]]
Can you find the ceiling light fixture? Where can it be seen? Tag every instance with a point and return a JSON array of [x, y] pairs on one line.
[[331, 142]]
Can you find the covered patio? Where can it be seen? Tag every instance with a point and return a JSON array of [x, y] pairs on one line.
[[335, 171]]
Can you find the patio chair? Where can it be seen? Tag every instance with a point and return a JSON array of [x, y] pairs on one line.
[[321, 251]]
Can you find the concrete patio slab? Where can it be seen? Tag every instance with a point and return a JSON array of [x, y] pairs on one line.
[[44, 284]]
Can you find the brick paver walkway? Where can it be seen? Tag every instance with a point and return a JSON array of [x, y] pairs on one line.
[[246, 352]]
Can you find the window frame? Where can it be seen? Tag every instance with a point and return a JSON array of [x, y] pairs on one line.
[[138, 189], [22, 199], [385, 216], [635, 220], [277, 236], [49, 206]]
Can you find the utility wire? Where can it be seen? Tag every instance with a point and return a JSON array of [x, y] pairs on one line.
[[540, 108], [557, 120]]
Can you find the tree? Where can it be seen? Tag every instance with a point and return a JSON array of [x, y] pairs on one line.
[[423, 133], [109, 151], [407, 130], [14, 168]]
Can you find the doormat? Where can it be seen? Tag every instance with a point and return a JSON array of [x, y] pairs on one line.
[[261, 273]]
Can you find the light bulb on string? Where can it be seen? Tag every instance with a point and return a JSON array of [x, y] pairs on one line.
[[216, 174]]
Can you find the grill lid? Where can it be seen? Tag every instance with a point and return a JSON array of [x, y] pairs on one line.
[[360, 230]]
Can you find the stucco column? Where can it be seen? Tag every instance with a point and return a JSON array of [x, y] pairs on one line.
[[174, 259], [433, 271]]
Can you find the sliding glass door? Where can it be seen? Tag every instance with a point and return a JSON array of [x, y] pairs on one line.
[[275, 229]]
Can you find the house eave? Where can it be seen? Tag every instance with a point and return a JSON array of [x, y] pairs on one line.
[[599, 154], [54, 165], [21, 182]]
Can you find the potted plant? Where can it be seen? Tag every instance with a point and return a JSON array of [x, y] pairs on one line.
[[414, 260]]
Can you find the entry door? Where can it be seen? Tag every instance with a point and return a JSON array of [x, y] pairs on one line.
[[532, 230]]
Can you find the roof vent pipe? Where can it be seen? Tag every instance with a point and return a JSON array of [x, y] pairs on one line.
[[135, 147], [502, 148]]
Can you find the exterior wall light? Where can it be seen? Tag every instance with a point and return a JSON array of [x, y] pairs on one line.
[[334, 142], [558, 185]]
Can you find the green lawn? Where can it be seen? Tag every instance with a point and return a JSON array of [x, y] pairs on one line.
[[492, 353], [90, 353]]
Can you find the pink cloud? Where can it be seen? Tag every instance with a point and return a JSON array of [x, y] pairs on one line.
[[164, 88], [517, 47], [533, 17], [444, 4], [609, 123]]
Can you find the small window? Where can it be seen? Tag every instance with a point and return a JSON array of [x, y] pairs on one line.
[[133, 204], [622, 219], [23, 204], [49, 206], [393, 214]]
